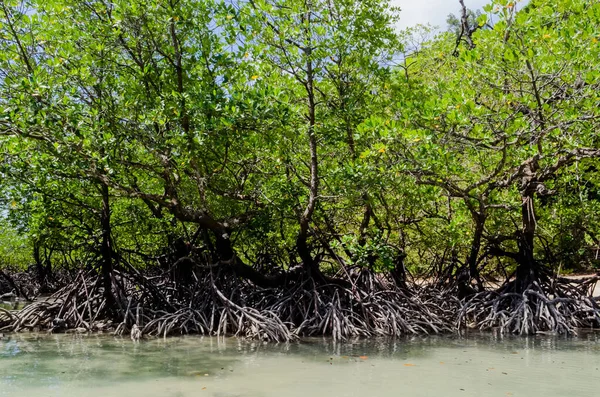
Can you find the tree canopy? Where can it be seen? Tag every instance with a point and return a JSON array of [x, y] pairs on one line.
[[301, 140]]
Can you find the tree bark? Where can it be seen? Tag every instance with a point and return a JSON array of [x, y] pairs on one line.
[[106, 249], [399, 271], [472, 259], [312, 268], [527, 269], [41, 269], [13, 284]]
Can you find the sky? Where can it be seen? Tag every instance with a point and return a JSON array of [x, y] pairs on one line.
[[433, 12]]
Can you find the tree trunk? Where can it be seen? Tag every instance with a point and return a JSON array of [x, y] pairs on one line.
[[106, 250], [310, 266], [527, 268], [469, 270], [399, 271], [18, 291], [40, 268], [472, 259]]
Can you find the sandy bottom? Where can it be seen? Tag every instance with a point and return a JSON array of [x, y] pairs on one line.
[[181, 367]]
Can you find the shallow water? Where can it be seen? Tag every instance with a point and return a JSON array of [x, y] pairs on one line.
[[75, 365], [12, 305]]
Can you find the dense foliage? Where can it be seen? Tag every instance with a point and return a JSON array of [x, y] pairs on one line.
[[300, 139]]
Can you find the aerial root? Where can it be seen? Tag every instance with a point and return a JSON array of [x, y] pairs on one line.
[[223, 305], [375, 308], [558, 309], [61, 311]]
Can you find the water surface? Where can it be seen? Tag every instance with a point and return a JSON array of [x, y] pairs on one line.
[[12, 305], [92, 365]]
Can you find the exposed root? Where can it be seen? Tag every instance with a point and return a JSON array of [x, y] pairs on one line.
[[221, 304], [76, 306], [372, 307], [562, 307]]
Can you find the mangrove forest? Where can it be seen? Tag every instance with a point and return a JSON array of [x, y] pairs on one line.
[[275, 169]]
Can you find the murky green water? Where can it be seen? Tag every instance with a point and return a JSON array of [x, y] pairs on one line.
[[70, 365], [12, 305]]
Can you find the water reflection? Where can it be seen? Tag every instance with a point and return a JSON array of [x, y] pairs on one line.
[[467, 365], [12, 305]]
